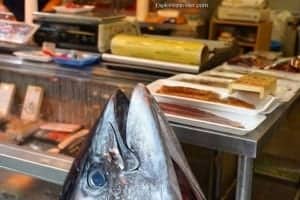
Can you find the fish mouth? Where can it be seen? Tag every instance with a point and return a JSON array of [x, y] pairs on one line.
[[117, 152], [121, 155]]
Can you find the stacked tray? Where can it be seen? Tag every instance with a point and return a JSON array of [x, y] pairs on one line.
[[247, 118], [248, 123], [241, 119], [287, 88], [265, 67], [262, 106]]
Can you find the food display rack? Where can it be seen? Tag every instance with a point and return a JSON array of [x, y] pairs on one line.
[[54, 168]]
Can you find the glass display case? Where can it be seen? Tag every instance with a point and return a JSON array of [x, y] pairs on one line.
[[70, 96]]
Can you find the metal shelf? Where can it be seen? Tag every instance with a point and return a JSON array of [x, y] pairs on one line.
[[51, 168]]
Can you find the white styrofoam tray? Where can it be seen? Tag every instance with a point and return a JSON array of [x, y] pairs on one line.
[[286, 88], [268, 71], [221, 74], [250, 123], [33, 56], [63, 9], [183, 77], [260, 104]]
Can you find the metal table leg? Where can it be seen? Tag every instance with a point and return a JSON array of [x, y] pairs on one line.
[[215, 177], [244, 178]]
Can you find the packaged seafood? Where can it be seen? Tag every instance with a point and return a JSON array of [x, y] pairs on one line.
[[285, 68], [16, 32], [221, 121], [202, 80], [289, 65], [72, 8], [203, 95], [286, 87], [250, 61], [190, 112], [211, 97], [255, 82], [37, 56]]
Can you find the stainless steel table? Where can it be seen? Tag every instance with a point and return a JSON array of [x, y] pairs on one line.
[[55, 168], [245, 147]]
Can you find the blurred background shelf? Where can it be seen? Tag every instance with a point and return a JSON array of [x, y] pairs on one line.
[[260, 32]]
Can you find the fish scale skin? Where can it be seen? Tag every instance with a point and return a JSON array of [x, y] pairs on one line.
[[129, 146]]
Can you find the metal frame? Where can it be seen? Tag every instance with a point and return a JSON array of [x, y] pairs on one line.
[[54, 168], [37, 164], [244, 178]]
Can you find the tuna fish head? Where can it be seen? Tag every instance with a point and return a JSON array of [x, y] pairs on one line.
[[96, 172], [126, 156]]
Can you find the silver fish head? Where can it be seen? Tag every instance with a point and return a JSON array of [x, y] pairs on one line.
[[127, 156], [97, 171]]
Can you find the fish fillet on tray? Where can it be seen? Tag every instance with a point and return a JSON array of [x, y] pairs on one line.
[[208, 97], [211, 119]]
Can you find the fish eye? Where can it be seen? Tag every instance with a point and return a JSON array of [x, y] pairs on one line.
[[96, 178]]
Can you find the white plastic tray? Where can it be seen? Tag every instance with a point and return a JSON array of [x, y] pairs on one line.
[[249, 122], [270, 71], [226, 75], [285, 91], [16, 32], [286, 88], [261, 105], [33, 56], [181, 77], [281, 74], [63, 9]]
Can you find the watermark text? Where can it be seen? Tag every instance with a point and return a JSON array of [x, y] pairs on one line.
[[180, 5]]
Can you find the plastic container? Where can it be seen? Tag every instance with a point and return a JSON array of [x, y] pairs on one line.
[[77, 62]]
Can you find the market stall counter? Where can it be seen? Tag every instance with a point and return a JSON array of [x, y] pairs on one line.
[[66, 89]]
